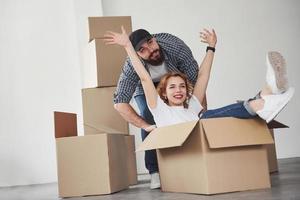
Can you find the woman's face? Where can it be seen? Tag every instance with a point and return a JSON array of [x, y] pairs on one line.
[[176, 91]]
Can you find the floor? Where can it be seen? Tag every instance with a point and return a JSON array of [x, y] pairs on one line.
[[285, 186]]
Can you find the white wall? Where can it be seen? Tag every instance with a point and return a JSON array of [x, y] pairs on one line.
[[39, 73], [246, 31], [41, 65]]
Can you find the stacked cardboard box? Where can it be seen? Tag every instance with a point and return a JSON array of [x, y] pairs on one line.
[[103, 62], [103, 160], [212, 156]]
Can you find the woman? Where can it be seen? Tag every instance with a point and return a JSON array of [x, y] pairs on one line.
[[175, 102]]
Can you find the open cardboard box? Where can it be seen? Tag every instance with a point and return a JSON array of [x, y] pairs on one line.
[[90, 164], [212, 156], [103, 63]]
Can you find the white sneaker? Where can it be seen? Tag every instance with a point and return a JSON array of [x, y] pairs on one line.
[[274, 104], [155, 181], [276, 76]]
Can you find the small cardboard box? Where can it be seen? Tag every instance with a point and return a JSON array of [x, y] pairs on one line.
[[212, 156], [130, 146], [88, 165], [103, 63], [99, 113]]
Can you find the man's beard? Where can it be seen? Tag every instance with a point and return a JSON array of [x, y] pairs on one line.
[[156, 61]]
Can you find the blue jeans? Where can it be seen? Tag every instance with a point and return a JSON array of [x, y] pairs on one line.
[[239, 110], [150, 156]]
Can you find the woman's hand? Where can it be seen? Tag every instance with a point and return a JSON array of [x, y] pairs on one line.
[[209, 37], [121, 39]]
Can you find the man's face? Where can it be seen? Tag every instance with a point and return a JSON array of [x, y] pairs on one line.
[[151, 52]]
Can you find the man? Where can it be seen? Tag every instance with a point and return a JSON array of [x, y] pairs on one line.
[[159, 53]]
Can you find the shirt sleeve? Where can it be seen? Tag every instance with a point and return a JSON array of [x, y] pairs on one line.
[[127, 84]]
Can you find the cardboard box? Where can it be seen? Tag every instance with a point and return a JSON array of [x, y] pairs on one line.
[[103, 63], [99, 113], [130, 153], [212, 156], [88, 165], [271, 149], [98, 26], [131, 160]]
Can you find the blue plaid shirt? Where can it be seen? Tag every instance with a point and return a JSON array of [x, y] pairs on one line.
[[178, 58]]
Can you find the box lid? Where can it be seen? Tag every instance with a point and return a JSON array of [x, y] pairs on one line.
[[168, 136], [99, 25], [65, 124], [231, 132], [275, 124], [102, 129]]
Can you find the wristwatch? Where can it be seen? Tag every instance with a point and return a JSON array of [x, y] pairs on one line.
[[213, 49]]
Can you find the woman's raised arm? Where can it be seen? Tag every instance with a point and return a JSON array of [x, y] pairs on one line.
[[204, 70], [122, 39]]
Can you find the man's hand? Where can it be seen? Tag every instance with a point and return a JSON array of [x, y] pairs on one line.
[[129, 114], [121, 39], [209, 37], [150, 128]]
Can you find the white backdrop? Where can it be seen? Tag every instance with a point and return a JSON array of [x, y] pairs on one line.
[[246, 31], [40, 42], [41, 50]]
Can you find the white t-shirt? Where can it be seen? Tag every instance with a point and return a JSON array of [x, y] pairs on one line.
[[156, 72], [165, 115]]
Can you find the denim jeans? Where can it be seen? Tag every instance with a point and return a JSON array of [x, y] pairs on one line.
[[239, 110], [150, 155]]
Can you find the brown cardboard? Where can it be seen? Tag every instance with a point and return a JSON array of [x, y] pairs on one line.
[[65, 124], [209, 162], [131, 157], [272, 157], [238, 132], [271, 149], [98, 26], [130, 153], [99, 112], [103, 64], [90, 165]]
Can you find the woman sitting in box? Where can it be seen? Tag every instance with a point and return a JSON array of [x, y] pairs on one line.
[[175, 101]]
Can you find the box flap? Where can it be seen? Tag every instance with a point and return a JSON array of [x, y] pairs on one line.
[[168, 136], [65, 124], [99, 25], [103, 129], [231, 132], [275, 124]]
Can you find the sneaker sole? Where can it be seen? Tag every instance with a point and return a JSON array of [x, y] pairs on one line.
[[277, 111], [278, 64], [155, 187]]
